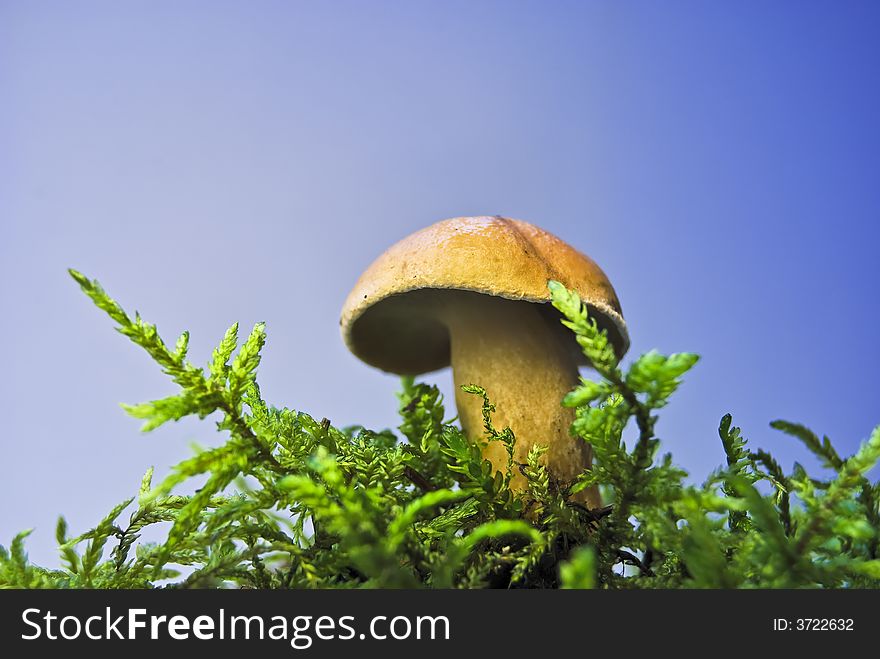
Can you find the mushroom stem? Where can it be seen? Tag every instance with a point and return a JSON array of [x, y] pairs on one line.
[[511, 350]]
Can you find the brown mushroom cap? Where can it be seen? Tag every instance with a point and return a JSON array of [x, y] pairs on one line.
[[388, 319]]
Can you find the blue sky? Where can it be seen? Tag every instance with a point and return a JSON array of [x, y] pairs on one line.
[[214, 162]]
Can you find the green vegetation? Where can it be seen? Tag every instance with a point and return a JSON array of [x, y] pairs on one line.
[[289, 501]]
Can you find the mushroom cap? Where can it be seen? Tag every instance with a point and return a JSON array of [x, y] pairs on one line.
[[390, 319]]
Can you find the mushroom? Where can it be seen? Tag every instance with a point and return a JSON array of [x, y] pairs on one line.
[[471, 292]]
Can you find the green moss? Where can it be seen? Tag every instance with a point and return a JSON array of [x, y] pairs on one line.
[[293, 502]]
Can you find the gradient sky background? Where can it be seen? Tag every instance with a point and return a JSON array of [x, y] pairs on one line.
[[214, 162]]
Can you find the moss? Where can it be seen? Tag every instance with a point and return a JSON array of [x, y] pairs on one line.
[[294, 502]]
